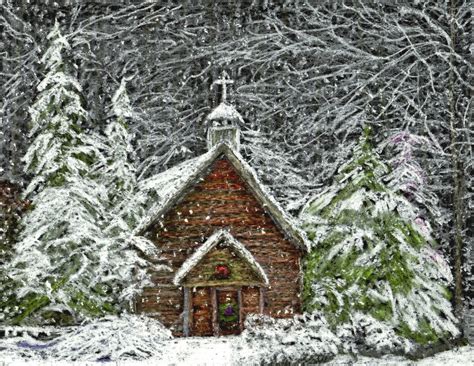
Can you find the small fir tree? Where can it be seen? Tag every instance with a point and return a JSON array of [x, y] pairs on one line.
[[127, 202], [370, 255], [120, 172], [117, 174]]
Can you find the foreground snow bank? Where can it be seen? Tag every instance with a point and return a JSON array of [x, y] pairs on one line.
[[128, 337], [308, 338], [223, 351], [463, 356], [113, 338], [132, 340]]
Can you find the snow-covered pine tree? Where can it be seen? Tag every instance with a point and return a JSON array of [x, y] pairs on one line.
[[128, 203], [119, 173], [128, 270], [370, 255], [60, 237], [56, 118], [407, 176], [65, 268]]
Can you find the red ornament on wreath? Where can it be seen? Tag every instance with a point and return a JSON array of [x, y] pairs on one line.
[[222, 271]]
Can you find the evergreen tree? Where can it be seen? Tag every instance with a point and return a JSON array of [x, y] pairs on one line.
[[372, 256], [60, 237], [65, 268], [119, 172], [58, 148], [408, 178]]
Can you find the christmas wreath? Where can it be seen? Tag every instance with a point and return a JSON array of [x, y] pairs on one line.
[[228, 312], [222, 271]]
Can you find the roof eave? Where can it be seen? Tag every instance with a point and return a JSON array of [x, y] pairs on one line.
[[295, 236], [177, 195]]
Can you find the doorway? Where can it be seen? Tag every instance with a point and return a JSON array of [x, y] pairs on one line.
[[228, 311], [219, 310]]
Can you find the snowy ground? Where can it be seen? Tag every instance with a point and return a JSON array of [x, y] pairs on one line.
[[212, 351]]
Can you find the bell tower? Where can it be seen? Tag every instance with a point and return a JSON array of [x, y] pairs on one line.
[[223, 122]]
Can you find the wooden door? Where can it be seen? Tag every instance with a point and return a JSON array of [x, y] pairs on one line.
[[228, 311], [202, 312]]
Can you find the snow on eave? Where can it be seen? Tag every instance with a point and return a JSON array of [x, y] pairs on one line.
[[225, 111], [281, 218], [189, 171], [224, 237]]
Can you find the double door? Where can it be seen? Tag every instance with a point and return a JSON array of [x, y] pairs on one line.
[[220, 311]]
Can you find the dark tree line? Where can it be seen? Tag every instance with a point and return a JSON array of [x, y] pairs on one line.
[[308, 76]]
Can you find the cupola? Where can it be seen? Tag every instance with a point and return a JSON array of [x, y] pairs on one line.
[[224, 120]]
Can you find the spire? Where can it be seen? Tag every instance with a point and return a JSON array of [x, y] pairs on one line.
[[223, 122]]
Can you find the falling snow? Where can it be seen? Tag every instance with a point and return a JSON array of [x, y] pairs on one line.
[[349, 123]]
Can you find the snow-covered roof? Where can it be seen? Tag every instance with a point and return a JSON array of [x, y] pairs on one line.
[[172, 184], [225, 111], [224, 238], [167, 184]]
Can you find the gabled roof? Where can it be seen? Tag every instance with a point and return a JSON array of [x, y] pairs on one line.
[[176, 181], [224, 238]]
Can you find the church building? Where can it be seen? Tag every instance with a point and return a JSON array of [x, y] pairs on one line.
[[229, 248]]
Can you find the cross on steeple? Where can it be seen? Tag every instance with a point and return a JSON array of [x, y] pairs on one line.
[[224, 80]]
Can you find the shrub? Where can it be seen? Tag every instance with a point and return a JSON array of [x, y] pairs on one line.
[[366, 334], [303, 339]]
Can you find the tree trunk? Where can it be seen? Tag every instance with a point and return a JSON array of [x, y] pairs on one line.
[[458, 207]]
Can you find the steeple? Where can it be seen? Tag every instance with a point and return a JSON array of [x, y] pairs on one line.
[[223, 122]]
